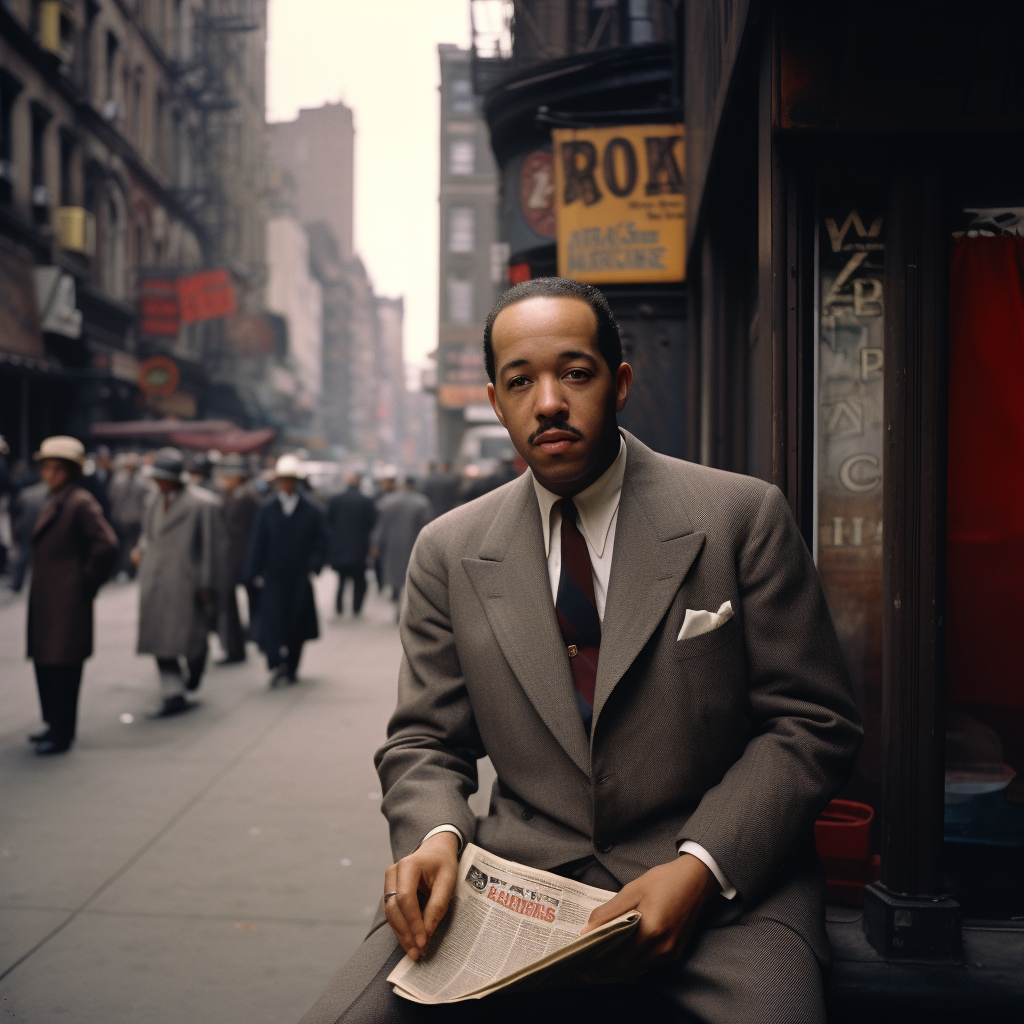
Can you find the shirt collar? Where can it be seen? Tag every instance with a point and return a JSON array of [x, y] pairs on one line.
[[597, 504], [288, 501]]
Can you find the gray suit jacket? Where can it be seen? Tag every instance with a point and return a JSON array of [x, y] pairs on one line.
[[735, 739]]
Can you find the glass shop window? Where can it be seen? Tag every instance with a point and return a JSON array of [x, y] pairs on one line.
[[849, 433], [984, 791]]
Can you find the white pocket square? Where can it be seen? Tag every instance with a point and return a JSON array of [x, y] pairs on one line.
[[695, 623]]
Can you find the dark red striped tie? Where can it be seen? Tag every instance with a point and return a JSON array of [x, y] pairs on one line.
[[576, 611]]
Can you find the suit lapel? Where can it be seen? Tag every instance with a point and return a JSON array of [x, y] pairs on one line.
[[511, 580], [176, 513], [49, 512], [654, 548]]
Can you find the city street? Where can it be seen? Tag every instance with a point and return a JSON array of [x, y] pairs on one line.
[[214, 867]]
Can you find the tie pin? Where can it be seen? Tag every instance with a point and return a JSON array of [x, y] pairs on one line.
[[573, 650]]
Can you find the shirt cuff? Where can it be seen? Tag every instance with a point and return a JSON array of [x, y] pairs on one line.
[[698, 851], [448, 828]]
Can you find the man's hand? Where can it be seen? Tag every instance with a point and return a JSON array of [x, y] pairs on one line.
[[431, 870], [670, 897], [135, 557]]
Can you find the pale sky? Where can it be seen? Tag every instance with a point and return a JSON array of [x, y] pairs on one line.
[[379, 57]]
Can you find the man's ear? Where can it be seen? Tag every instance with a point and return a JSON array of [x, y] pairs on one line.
[[623, 382], [493, 399]]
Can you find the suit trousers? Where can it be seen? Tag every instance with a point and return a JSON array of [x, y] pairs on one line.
[[232, 631], [172, 682], [755, 971], [58, 698], [357, 574]]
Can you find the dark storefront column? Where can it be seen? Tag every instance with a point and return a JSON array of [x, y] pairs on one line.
[[906, 914]]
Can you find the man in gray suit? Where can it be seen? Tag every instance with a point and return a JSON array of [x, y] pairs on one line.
[[642, 647]]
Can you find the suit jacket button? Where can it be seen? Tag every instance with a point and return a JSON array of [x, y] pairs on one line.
[[527, 814], [606, 847]]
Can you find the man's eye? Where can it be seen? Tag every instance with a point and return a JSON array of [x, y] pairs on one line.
[[516, 382], [577, 374]]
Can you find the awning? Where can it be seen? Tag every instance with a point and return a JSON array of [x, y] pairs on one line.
[[234, 440], [201, 435]]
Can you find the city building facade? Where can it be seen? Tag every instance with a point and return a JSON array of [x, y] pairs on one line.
[[131, 157], [472, 263]]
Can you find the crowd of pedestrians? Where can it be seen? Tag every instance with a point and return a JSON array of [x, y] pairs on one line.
[[204, 536]]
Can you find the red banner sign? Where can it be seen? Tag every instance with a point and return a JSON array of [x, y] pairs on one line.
[[158, 307], [206, 296]]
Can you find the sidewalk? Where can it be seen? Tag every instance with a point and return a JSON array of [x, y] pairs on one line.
[[217, 867]]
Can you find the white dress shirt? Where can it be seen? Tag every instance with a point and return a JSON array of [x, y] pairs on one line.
[[289, 502], [598, 507]]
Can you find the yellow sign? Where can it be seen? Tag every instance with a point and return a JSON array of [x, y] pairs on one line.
[[620, 202]]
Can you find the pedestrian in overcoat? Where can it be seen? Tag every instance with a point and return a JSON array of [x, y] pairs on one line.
[[130, 493], [241, 504], [350, 518], [177, 561], [290, 543], [401, 515], [73, 551]]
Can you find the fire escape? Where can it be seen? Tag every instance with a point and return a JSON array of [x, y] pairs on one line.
[[210, 75]]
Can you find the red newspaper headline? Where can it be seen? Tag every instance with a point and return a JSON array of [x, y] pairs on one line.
[[525, 907]]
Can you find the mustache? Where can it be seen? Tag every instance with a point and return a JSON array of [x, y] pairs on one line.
[[546, 425]]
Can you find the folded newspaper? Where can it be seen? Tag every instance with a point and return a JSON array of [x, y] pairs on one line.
[[509, 927]]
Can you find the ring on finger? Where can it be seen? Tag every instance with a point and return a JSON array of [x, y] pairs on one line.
[[388, 895]]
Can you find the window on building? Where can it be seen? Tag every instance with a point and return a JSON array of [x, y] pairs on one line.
[[159, 136], [460, 301], [461, 157], [67, 169], [136, 111], [41, 198], [462, 96], [110, 73], [9, 89], [461, 229], [115, 231]]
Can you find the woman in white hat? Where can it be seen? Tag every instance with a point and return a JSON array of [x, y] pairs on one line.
[[73, 551]]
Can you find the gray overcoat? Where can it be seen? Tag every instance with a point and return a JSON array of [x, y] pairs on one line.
[[735, 739], [179, 560], [400, 517]]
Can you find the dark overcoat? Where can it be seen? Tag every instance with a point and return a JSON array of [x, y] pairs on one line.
[[284, 551], [73, 551], [238, 514], [350, 518]]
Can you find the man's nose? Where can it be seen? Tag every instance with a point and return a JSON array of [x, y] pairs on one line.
[[550, 399]]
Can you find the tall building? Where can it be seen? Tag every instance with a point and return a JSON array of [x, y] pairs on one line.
[[318, 150], [472, 264], [363, 406]]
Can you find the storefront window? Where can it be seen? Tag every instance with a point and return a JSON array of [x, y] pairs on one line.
[[849, 449], [984, 794]]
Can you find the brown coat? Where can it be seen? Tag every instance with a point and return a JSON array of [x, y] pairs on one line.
[[73, 552]]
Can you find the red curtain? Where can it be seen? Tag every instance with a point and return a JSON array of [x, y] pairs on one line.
[[985, 577]]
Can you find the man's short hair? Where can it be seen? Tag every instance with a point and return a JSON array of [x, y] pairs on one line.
[[608, 340]]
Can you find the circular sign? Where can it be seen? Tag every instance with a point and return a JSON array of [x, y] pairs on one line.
[[159, 375], [537, 193]]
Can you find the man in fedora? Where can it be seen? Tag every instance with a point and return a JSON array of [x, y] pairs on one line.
[[241, 504], [289, 545], [177, 559], [73, 551], [642, 648]]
